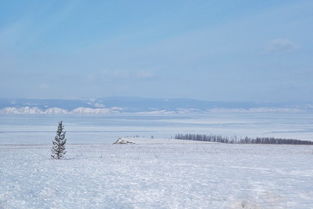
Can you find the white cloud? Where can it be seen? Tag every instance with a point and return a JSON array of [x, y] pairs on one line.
[[281, 45]]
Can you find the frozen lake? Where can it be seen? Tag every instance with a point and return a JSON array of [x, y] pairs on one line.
[[40, 129]]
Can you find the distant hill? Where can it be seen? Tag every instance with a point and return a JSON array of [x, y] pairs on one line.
[[132, 104]]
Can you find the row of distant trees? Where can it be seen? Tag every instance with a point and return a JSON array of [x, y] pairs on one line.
[[245, 140]]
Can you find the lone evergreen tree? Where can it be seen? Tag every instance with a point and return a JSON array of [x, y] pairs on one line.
[[58, 148]]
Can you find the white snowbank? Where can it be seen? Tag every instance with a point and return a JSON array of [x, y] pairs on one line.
[[123, 141]]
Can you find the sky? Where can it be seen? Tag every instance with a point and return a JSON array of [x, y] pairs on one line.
[[216, 50]]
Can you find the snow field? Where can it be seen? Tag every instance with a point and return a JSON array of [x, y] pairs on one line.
[[157, 174]]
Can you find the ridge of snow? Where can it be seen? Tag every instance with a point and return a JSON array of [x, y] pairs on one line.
[[56, 110], [98, 109], [254, 110]]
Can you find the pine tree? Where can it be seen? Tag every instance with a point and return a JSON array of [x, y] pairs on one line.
[[58, 148]]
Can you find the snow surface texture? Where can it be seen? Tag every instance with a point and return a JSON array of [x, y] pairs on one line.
[[157, 174]]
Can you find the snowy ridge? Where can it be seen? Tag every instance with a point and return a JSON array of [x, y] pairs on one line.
[[106, 110], [255, 110], [143, 106], [56, 110]]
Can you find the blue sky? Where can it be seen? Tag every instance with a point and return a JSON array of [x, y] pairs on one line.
[[243, 50]]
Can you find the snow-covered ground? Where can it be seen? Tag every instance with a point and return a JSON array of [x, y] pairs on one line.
[[156, 173]]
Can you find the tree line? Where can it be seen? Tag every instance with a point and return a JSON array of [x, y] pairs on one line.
[[245, 140]]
